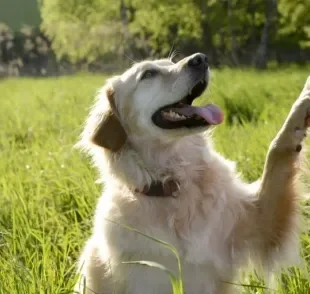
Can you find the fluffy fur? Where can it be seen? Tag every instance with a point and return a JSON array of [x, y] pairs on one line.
[[216, 222]]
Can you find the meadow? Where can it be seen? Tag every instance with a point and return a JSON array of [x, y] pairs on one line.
[[47, 188]]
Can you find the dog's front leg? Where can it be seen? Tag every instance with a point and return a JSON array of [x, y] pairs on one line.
[[277, 194]]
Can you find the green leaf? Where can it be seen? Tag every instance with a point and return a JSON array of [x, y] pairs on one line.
[[162, 243], [175, 282]]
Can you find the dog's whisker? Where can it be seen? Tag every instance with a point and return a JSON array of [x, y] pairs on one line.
[[174, 54], [171, 51], [132, 60]]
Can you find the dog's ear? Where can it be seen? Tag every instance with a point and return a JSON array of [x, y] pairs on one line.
[[109, 133]]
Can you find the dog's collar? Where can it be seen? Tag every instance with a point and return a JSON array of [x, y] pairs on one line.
[[169, 188]]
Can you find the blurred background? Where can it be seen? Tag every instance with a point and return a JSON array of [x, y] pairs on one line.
[[53, 37]]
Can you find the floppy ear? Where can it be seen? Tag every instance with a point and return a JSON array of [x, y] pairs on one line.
[[109, 132]]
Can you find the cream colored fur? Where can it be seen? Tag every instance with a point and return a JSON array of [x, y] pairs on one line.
[[216, 222]]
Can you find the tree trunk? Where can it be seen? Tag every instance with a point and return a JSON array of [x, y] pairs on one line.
[[125, 22], [207, 35], [234, 55], [261, 56]]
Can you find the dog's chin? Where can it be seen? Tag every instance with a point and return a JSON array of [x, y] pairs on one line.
[[182, 115]]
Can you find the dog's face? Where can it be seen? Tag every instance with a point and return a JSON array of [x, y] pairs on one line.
[[154, 98]]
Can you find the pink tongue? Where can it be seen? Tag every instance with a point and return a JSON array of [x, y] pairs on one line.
[[211, 113]]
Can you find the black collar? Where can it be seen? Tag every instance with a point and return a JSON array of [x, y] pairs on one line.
[[169, 188]]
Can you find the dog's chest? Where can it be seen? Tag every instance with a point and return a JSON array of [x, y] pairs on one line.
[[206, 243], [197, 226], [204, 227]]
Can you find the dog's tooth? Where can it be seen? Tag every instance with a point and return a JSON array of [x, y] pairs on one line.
[[180, 116], [166, 114], [173, 115]]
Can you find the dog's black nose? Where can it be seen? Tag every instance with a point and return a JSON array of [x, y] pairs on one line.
[[198, 60]]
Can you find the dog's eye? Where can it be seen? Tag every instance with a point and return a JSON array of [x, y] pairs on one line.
[[149, 74]]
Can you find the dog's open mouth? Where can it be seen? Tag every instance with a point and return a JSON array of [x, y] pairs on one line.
[[183, 114]]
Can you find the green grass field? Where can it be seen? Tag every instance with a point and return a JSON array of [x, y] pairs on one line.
[[47, 189]]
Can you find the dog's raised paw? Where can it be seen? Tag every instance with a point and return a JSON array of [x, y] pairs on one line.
[[298, 120], [307, 84], [301, 120], [301, 129], [301, 111]]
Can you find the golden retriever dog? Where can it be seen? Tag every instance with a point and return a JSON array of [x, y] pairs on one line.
[[163, 177]]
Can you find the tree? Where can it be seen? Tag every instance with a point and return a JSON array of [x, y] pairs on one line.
[[270, 19], [230, 31], [83, 29], [159, 23], [295, 21]]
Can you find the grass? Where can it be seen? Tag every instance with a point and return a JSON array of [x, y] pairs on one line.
[[47, 189]]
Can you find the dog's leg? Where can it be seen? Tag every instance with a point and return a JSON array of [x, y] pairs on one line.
[[94, 277], [277, 194]]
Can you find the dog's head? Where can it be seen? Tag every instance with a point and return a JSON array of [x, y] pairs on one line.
[[153, 99]]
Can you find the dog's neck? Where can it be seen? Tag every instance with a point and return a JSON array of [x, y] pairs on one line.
[[145, 162]]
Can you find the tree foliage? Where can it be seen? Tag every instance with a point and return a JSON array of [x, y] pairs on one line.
[[82, 29], [295, 21], [232, 30], [159, 23]]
